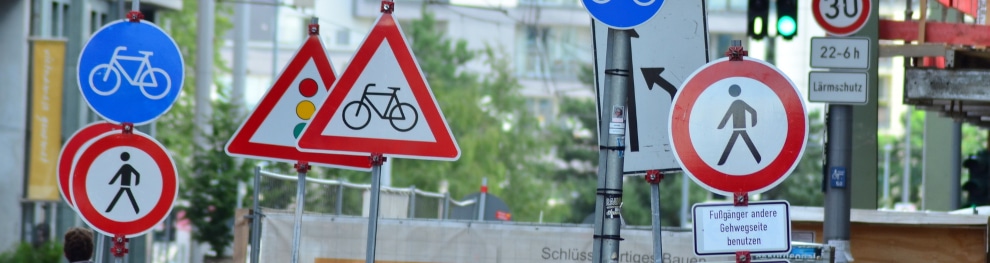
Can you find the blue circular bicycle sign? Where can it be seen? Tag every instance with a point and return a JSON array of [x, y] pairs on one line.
[[623, 14], [130, 72]]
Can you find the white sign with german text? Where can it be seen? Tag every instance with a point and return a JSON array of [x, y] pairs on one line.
[[838, 87], [723, 228], [840, 52]]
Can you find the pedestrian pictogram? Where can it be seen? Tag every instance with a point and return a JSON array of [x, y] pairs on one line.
[[271, 130], [130, 72], [124, 174], [738, 126], [67, 157], [123, 183], [381, 104], [737, 111]]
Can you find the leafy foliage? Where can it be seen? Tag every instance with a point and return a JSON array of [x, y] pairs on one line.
[[974, 139], [209, 177], [49, 252], [211, 190], [803, 186]]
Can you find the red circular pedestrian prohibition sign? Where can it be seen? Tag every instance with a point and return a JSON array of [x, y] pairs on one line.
[[841, 17], [66, 157], [155, 159], [738, 126]]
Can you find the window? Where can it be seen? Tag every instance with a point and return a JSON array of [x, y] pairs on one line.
[[555, 52]]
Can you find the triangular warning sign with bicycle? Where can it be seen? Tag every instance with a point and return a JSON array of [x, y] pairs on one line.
[[381, 104], [271, 130]]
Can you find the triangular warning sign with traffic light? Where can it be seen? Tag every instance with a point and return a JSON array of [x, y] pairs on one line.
[[271, 130], [382, 104]]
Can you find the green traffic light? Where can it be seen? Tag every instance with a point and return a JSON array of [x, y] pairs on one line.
[[758, 26], [786, 26]]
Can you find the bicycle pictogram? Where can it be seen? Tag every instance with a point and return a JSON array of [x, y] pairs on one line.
[[357, 114], [147, 75], [640, 3]]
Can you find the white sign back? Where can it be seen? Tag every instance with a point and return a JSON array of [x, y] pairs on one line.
[[658, 69]]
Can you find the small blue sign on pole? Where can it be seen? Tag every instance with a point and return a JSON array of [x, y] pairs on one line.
[[130, 72], [837, 177], [623, 14]]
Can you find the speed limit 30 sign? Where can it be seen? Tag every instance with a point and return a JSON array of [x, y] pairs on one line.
[[841, 17]]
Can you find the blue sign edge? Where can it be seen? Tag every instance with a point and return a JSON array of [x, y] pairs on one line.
[[703, 3], [79, 84]]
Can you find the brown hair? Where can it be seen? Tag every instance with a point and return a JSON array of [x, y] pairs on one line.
[[78, 244]]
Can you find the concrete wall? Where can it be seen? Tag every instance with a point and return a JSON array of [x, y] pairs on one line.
[[14, 21]]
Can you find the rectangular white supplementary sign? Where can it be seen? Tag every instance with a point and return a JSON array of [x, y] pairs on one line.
[[838, 87], [724, 228], [840, 52]]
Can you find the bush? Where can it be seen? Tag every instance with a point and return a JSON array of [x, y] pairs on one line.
[[50, 252]]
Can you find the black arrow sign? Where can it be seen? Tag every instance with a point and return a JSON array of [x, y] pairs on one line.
[[652, 76]]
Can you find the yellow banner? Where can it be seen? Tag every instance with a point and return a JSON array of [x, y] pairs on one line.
[[47, 69]]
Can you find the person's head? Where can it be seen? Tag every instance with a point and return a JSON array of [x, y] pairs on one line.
[[78, 244]]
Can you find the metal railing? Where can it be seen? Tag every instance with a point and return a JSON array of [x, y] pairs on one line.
[[277, 193]]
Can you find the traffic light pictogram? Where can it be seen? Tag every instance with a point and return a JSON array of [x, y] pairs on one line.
[[305, 108]]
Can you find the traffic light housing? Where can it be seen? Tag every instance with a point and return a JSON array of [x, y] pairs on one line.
[[978, 186], [758, 13], [787, 18]]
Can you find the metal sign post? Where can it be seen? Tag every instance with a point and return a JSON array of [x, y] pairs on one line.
[[618, 71], [301, 168], [653, 177], [376, 177]]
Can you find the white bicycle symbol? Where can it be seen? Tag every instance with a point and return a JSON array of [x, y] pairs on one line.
[[647, 3], [145, 72]]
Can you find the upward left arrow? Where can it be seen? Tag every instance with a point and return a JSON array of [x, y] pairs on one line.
[[652, 76]]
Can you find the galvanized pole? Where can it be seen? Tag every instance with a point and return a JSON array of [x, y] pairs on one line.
[[653, 177], [301, 168], [376, 183], [618, 79], [906, 178], [241, 24], [482, 198], [204, 69], [886, 171], [100, 247], [685, 195], [256, 218], [837, 198], [278, 7]]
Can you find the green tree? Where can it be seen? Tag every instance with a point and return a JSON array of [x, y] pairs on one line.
[[973, 140], [498, 139], [803, 186], [209, 177]]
